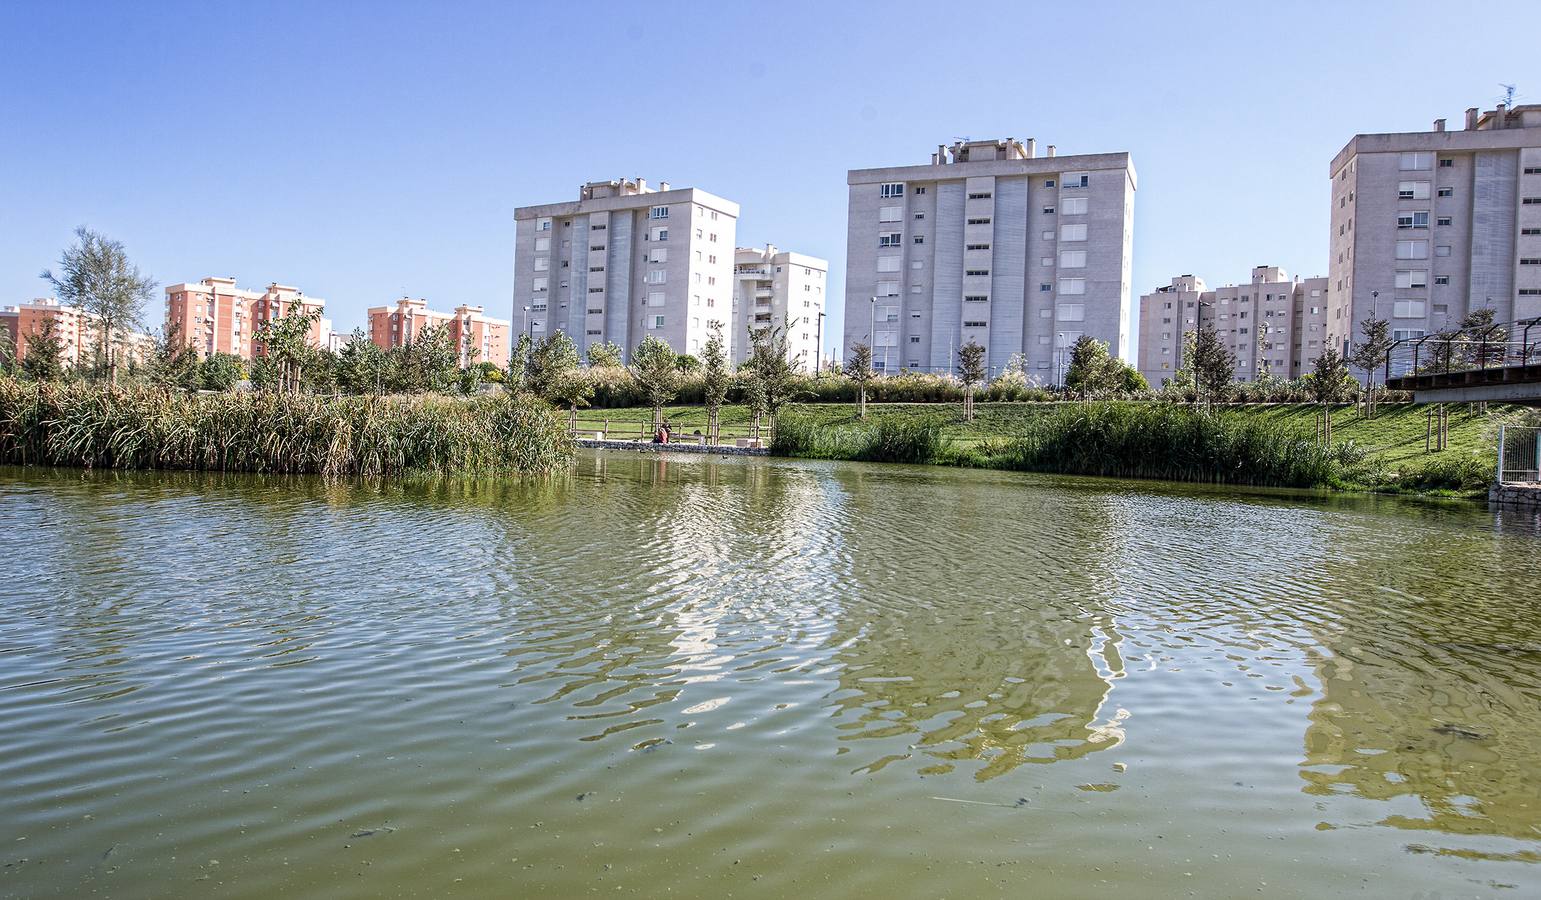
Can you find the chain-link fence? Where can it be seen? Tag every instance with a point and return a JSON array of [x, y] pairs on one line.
[[1519, 454]]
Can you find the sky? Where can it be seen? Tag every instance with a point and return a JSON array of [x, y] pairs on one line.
[[366, 151]]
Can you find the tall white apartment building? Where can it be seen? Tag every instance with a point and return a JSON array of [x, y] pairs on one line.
[[1428, 226], [782, 288], [625, 261], [1274, 325], [991, 243]]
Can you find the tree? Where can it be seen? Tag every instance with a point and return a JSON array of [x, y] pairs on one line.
[[220, 371], [1482, 343], [653, 367], [772, 374], [1093, 371], [361, 365], [571, 388], [172, 362], [859, 369], [1370, 354], [605, 355], [1326, 386], [8, 363], [716, 379], [687, 363], [96, 276], [44, 359], [519, 364], [1212, 363], [971, 370], [551, 358], [285, 343]]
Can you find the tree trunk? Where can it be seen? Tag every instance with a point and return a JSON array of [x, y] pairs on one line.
[[861, 410], [572, 420], [712, 428]]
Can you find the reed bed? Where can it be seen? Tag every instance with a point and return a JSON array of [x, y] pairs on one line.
[[144, 428]]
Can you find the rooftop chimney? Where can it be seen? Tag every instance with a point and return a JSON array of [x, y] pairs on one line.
[[1471, 119], [663, 185], [1500, 114], [941, 154], [1051, 150], [1032, 147], [1439, 124]]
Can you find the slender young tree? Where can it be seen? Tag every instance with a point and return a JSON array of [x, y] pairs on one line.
[[172, 362], [653, 367], [572, 389], [1212, 363], [971, 371], [774, 375], [606, 355], [1370, 355], [95, 275], [716, 379], [1327, 385], [859, 369], [8, 361], [284, 343], [551, 358]]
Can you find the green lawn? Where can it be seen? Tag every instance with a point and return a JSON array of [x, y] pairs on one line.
[[1393, 441]]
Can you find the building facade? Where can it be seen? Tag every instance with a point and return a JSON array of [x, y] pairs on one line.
[[1274, 325], [477, 336], [992, 243], [77, 331], [625, 261], [782, 288], [214, 316], [1429, 226]]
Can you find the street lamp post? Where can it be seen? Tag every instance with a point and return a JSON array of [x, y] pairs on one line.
[[818, 349], [872, 335], [1059, 362]]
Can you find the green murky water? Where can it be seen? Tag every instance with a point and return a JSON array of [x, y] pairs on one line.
[[708, 678]]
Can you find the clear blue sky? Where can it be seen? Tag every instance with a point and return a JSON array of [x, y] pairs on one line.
[[361, 151]]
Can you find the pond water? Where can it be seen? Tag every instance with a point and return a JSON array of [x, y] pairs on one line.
[[757, 678]]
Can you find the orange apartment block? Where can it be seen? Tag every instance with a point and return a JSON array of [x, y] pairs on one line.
[[395, 326], [215, 316], [77, 330]]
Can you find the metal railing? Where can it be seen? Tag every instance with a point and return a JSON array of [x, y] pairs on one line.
[[1519, 454], [1497, 346]]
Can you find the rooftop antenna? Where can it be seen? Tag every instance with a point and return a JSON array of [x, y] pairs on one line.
[[1509, 91]]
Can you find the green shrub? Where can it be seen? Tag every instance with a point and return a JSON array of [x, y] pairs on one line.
[[898, 438]]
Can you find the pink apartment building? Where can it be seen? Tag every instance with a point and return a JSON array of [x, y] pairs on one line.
[[76, 329], [395, 326], [215, 316]]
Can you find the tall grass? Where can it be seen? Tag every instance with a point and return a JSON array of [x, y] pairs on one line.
[[901, 439], [143, 428]]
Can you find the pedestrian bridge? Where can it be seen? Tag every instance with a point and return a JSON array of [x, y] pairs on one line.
[[1498, 363]]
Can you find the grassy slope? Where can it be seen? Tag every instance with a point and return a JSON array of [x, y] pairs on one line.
[[1393, 440]]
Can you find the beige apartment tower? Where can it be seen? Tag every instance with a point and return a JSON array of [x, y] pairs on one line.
[[781, 288], [1428, 226], [991, 242], [1274, 325], [625, 261]]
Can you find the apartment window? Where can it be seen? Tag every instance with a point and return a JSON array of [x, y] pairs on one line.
[[1072, 259], [598, 227], [982, 195], [596, 247], [1048, 182], [1533, 170], [976, 246], [975, 324], [542, 245], [1442, 221], [1408, 309], [598, 290], [1070, 286], [1048, 235], [539, 284], [917, 264], [975, 298], [596, 268], [888, 263], [1076, 180], [596, 310], [1530, 292], [1412, 249], [1530, 231], [658, 321], [1073, 206], [1446, 192], [976, 272], [892, 189], [1446, 162], [914, 339], [658, 255], [542, 263], [1072, 312], [920, 215], [1405, 334], [1442, 250], [986, 221], [1044, 287], [888, 289], [1413, 190], [543, 224], [920, 190], [1412, 278], [890, 213], [1416, 162], [657, 276], [1530, 260], [1417, 219], [1048, 210], [592, 332], [655, 298], [658, 212], [1441, 279], [890, 239], [1072, 232], [920, 239], [660, 234], [1531, 201]]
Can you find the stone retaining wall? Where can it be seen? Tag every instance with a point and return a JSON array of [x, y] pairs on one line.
[[1522, 495], [649, 446]]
